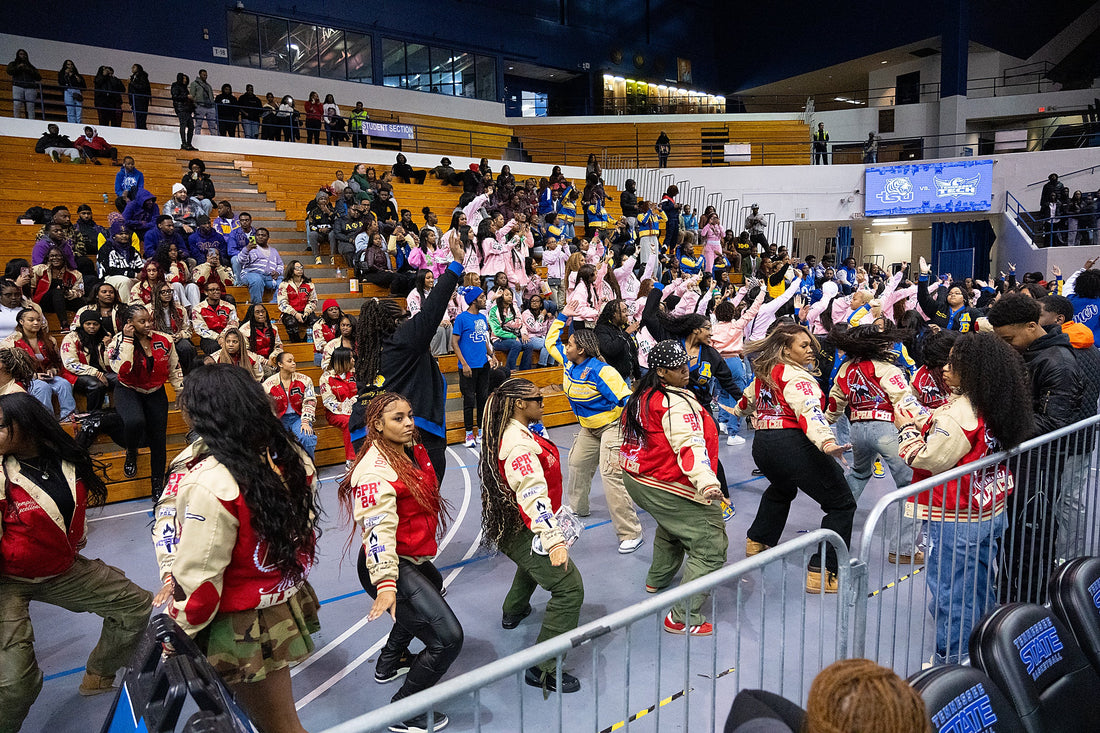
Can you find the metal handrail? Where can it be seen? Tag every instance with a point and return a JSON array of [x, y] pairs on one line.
[[1090, 169]]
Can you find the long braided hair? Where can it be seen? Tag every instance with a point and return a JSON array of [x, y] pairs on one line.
[[420, 483], [18, 364], [588, 342], [634, 429], [859, 696], [500, 515], [378, 320]]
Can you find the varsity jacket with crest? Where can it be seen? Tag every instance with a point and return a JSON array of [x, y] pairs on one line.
[[35, 543], [141, 373], [794, 402], [927, 390], [338, 392], [75, 359], [872, 390], [297, 299], [210, 321], [530, 465], [300, 396]]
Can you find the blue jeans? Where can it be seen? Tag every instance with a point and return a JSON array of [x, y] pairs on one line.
[[870, 440], [742, 376], [256, 283], [515, 347], [538, 343], [235, 263], [43, 390], [74, 109], [250, 128], [292, 421], [961, 580]]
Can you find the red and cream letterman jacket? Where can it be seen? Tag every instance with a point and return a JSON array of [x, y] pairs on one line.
[[297, 299], [300, 396], [338, 392], [75, 359], [954, 435], [41, 279], [794, 402], [927, 390], [205, 273], [393, 524], [265, 346], [323, 333], [204, 539], [873, 390], [680, 446], [532, 468], [35, 544], [141, 373], [210, 321], [244, 359]]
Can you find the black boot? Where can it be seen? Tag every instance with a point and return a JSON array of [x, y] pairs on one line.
[[129, 469]]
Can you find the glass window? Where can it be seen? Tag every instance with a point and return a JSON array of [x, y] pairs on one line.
[[358, 49], [442, 79], [486, 70], [274, 52], [393, 63], [303, 49], [244, 40], [330, 52], [417, 66], [465, 83]]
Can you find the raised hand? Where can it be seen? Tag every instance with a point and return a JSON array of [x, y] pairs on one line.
[[925, 268]]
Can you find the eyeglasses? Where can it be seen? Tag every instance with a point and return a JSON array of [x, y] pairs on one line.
[[536, 398]]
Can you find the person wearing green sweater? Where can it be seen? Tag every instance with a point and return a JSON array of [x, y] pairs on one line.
[[509, 333]]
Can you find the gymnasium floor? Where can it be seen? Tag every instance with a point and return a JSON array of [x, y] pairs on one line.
[[337, 683]]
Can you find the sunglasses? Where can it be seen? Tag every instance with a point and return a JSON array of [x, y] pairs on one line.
[[537, 398]]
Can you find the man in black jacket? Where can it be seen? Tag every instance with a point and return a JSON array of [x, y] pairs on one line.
[[616, 339], [628, 202], [1056, 395]]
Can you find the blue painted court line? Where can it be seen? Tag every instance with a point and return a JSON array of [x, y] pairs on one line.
[[66, 673]]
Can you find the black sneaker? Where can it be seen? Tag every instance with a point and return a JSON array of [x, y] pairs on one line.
[[388, 672], [757, 472], [129, 468], [511, 620], [419, 724], [548, 681]]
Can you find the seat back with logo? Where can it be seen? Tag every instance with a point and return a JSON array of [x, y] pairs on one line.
[[1034, 659], [964, 699], [1075, 598]]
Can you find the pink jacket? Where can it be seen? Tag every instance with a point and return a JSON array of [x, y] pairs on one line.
[[728, 338]]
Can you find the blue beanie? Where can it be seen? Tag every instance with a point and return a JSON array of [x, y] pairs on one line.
[[472, 293]]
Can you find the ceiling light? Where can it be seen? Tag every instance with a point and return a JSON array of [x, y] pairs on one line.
[[885, 62], [618, 78], [889, 221]]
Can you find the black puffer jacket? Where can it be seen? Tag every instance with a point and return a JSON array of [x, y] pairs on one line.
[[619, 349], [1057, 385]]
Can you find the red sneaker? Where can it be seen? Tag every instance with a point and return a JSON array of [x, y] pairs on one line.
[[677, 627]]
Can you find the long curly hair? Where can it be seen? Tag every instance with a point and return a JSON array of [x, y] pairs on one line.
[[232, 414], [420, 483], [993, 377], [500, 514], [861, 343], [255, 328], [18, 364], [378, 320], [859, 696], [769, 351], [33, 422]]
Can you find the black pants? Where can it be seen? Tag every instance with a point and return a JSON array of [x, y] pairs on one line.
[[185, 350], [54, 301], [821, 156], [313, 132], [94, 390], [1032, 530], [139, 103], [296, 330], [187, 127], [475, 390], [422, 613], [791, 462], [358, 140], [209, 346], [417, 176], [759, 238], [227, 128], [145, 416]]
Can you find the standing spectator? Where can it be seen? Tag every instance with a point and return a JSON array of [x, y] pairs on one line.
[[269, 118], [870, 149], [821, 145], [250, 107], [334, 123], [184, 106], [140, 94], [94, 147], [315, 112], [628, 202], [663, 146], [24, 85], [1052, 191], [671, 210], [203, 97], [74, 85], [357, 126], [755, 224], [228, 112], [108, 97], [286, 119], [471, 342], [128, 178], [261, 266], [199, 187]]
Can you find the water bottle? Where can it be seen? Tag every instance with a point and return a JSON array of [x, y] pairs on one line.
[[106, 199], [339, 272]]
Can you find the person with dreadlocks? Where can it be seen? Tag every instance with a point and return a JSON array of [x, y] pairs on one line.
[[597, 394], [393, 353], [49, 483], [670, 448], [235, 537], [16, 370], [794, 447], [392, 493], [520, 496], [859, 696], [84, 358]]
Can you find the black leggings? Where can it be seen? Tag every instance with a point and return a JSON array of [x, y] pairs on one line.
[[145, 416], [475, 391], [54, 301], [95, 390], [296, 330], [422, 613], [791, 462], [187, 126]]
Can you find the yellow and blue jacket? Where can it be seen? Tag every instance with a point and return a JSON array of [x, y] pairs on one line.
[[649, 223], [596, 391]]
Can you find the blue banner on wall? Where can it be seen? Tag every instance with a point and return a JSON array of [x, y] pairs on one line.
[[929, 188], [389, 129]]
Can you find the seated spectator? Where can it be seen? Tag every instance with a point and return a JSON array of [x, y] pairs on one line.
[[225, 222], [149, 280], [261, 267], [95, 147], [57, 288], [20, 272], [404, 172], [241, 237], [117, 262], [408, 224], [294, 401], [32, 335], [261, 337], [445, 172], [537, 319], [297, 301], [507, 181], [385, 212], [372, 263], [508, 332], [170, 318], [206, 237], [11, 303], [170, 258], [164, 233], [54, 237], [199, 187], [183, 210], [84, 361], [400, 244], [423, 284], [212, 318], [234, 351], [87, 233], [212, 270], [348, 231], [141, 214], [345, 339], [320, 220], [54, 144], [106, 307], [326, 327], [339, 184], [363, 183], [338, 395]]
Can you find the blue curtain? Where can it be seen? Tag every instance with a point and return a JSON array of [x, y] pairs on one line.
[[976, 235], [843, 244]]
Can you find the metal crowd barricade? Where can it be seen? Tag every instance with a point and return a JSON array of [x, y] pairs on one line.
[[633, 674], [1051, 515]]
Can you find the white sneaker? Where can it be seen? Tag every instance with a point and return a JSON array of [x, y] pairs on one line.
[[469, 440], [735, 440], [723, 428], [628, 546]]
